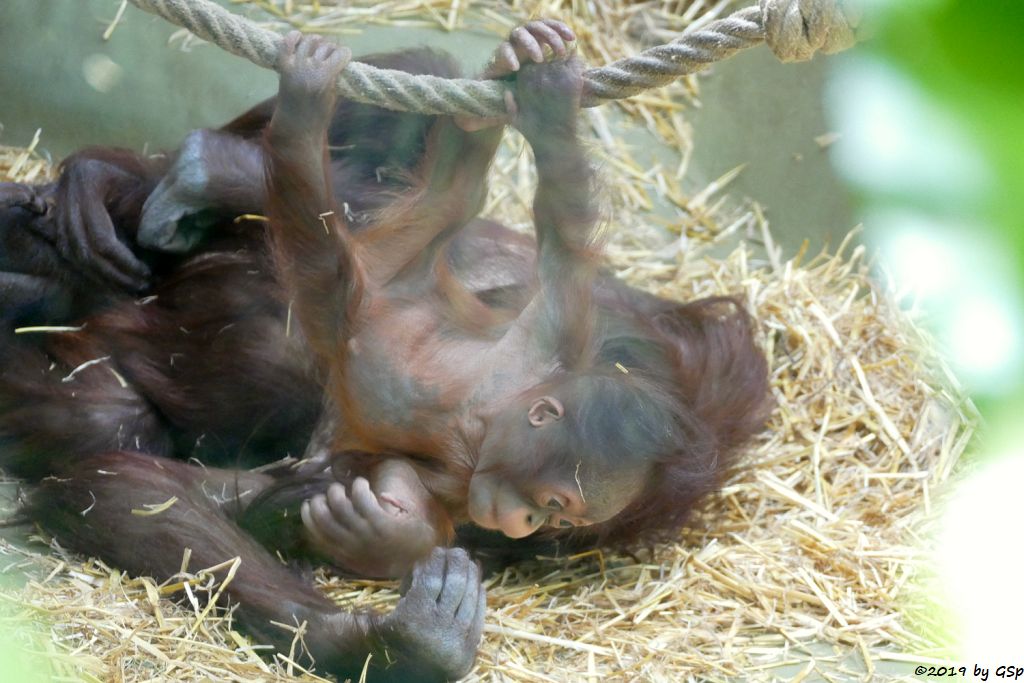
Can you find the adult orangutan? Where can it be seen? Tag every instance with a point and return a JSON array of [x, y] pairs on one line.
[[437, 370]]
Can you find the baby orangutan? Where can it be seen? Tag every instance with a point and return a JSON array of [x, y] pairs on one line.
[[439, 371], [484, 404], [559, 413]]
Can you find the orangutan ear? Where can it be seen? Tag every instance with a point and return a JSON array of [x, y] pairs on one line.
[[545, 410]]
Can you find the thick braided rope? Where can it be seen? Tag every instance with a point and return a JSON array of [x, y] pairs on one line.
[[795, 30], [687, 54]]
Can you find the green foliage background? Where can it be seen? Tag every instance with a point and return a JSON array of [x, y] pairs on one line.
[[968, 57]]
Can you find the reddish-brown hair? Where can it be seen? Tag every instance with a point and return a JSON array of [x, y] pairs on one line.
[[678, 387]]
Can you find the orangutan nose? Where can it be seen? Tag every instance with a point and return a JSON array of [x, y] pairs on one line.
[[521, 522]]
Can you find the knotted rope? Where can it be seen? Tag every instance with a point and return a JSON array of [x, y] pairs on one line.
[[793, 29]]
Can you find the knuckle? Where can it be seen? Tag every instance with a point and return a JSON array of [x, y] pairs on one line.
[[458, 555]]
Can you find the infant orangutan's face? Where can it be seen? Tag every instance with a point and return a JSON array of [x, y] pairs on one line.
[[510, 493]]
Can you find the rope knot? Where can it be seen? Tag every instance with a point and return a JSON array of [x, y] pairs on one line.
[[796, 29]]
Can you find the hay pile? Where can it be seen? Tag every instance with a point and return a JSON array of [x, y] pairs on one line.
[[807, 564]]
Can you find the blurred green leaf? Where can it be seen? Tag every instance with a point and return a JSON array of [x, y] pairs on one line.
[[969, 55]]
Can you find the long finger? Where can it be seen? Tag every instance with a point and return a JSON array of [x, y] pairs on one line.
[[461, 569], [340, 543], [365, 501], [291, 40], [286, 55], [466, 614], [88, 224], [562, 30], [475, 632], [118, 273], [307, 45], [324, 50], [310, 525], [340, 58], [116, 254], [506, 61], [79, 249], [428, 575], [328, 523], [526, 44], [339, 502], [544, 33]]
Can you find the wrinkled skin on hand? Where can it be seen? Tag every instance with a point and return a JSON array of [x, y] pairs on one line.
[[525, 44], [440, 618], [35, 281], [548, 98], [84, 232]]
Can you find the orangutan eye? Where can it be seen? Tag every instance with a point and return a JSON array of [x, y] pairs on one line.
[[555, 504], [564, 523]]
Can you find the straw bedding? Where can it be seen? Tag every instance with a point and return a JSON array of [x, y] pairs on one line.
[[811, 563]]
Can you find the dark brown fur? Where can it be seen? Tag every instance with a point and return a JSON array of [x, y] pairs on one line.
[[231, 360]]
